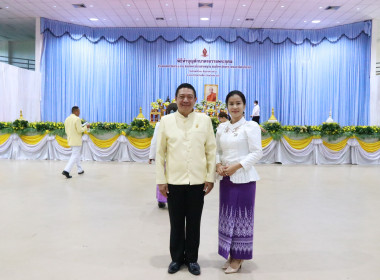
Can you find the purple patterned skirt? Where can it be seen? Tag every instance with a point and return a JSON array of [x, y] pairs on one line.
[[160, 197], [236, 214]]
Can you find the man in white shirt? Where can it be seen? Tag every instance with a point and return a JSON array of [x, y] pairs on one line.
[[256, 112], [186, 142]]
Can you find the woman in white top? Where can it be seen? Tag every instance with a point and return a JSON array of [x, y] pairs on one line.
[[238, 149]]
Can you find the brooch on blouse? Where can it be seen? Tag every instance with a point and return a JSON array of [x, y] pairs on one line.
[[233, 131]]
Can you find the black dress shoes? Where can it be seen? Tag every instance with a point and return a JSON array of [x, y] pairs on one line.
[[80, 173], [65, 173], [174, 267], [194, 268]]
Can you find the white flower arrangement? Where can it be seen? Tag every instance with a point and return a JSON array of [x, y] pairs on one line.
[[199, 106]]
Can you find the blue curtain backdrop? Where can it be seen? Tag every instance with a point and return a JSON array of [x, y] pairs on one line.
[[111, 72]]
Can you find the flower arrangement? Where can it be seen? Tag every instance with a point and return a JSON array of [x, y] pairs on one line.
[[368, 130], [43, 126], [218, 102], [139, 125], [204, 102], [331, 130], [223, 106], [273, 129], [215, 122], [199, 106], [19, 125], [173, 100], [159, 101], [107, 126], [166, 104], [6, 127], [210, 105], [154, 105], [142, 128]]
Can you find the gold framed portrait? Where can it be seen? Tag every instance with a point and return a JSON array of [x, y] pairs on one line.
[[211, 93]]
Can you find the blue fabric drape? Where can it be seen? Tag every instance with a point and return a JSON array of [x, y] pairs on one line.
[[110, 73], [209, 35]]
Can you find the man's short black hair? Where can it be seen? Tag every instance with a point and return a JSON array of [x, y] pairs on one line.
[[186, 85], [257, 102], [75, 108]]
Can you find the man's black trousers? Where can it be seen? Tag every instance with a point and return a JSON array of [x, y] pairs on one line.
[[185, 203]]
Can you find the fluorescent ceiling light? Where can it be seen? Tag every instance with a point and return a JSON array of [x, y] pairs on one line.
[[205, 18], [94, 19], [316, 21]]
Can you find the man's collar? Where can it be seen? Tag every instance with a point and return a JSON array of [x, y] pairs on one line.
[[178, 114]]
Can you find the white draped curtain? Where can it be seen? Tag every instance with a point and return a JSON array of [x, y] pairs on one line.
[[18, 92], [123, 150]]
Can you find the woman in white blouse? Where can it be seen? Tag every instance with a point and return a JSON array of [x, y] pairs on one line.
[[238, 149]]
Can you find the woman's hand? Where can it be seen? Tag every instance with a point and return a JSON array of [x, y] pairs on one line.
[[230, 170], [220, 169]]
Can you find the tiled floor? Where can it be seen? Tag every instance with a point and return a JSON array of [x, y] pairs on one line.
[[311, 222]]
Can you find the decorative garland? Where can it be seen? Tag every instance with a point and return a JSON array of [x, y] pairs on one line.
[[331, 131], [137, 128], [143, 129]]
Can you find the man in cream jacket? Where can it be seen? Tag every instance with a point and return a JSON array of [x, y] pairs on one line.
[[74, 131], [186, 143]]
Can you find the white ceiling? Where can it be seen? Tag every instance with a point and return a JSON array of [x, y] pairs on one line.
[[286, 14]]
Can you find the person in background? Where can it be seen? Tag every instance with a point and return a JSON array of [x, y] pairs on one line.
[[162, 200], [238, 149], [74, 131], [256, 112], [223, 117]]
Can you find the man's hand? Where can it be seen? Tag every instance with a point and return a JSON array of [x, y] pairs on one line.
[[163, 189], [208, 187]]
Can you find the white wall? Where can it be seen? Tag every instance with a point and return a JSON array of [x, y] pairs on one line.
[[22, 49], [4, 50]]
